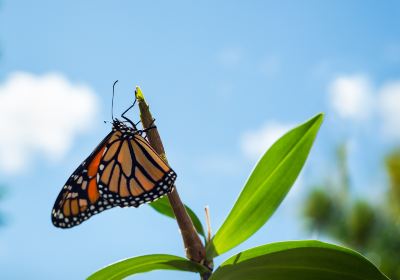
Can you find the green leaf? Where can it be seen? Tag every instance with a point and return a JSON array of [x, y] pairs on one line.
[[300, 260], [266, 187], [131, 266], [163, 206]]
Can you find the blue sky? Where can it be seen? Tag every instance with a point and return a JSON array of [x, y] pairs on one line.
[[217, 76]]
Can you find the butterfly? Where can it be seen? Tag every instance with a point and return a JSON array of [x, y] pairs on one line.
[[123, 170]]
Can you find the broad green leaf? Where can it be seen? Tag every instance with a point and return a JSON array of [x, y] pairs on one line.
[[163, 206], [266, 187], [300, 260], [131, 266]]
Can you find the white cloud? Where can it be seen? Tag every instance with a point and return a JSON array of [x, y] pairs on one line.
[[351, 97], [255, 143], [389, 109], [41, 114], [355, 98]]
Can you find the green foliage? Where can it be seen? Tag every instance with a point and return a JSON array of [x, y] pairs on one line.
[[319, 209], [263, 192], [372, 229], [361, 223], [393, 169], [298, 260], [146, 263], [163, 206], [266, 187]]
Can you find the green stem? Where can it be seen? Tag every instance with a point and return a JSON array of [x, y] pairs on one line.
[[194, 248]]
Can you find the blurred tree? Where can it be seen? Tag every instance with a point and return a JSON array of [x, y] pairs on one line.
[[369, 228], [393, 167]]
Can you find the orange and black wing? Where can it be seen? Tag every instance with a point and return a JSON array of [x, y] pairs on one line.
[[80, 198], [131, 172]]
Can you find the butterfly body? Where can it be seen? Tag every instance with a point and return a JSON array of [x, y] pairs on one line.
[[123, 170]]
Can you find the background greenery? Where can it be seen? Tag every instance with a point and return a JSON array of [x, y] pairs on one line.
[[369, 226]]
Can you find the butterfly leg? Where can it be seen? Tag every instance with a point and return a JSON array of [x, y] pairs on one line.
[[130, 107], [126, 111], [152, 126], [147, 129]]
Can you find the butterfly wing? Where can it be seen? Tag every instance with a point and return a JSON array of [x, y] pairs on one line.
[[124, 170], [80, 198], [132, 173]]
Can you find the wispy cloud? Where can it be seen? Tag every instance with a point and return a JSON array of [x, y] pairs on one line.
[[255, 143], [270, 66], [351, 97], [41, 114], [230, 57]]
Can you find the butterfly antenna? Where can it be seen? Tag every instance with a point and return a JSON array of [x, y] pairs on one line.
[[112, 101]]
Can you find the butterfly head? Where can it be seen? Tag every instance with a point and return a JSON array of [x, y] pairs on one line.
[[119, 125]]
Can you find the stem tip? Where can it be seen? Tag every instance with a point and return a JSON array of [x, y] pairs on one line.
[[138, 94]]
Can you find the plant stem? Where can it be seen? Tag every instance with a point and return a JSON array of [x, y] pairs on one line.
[[208, 221], [205, 276], [194, 248]]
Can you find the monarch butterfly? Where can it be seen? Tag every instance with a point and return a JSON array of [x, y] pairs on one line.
[[123, 170]]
